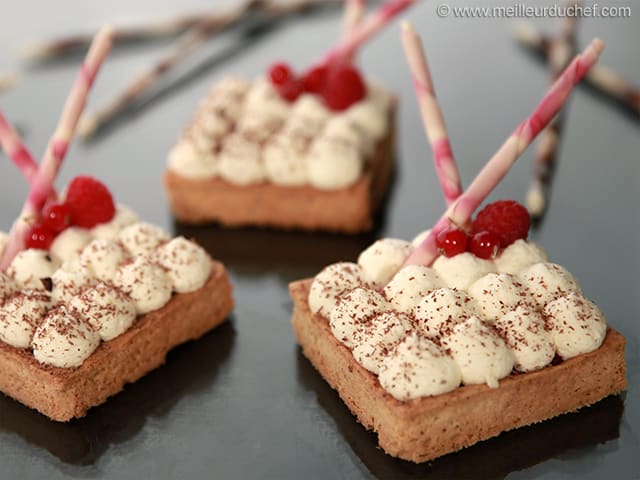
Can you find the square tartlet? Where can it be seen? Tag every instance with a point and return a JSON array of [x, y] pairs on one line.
[[66, 393], [99, 309], [205, 195], [427, 426]]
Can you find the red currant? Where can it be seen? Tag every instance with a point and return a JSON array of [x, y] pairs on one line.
[[291, 90], [315, 80], [280, 73], [56, 216], [451, 242], [344, 88], [484, 244], [39, 236]]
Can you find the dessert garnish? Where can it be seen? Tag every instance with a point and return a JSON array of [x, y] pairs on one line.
[[42, 180], [459, 213], [335, 78]]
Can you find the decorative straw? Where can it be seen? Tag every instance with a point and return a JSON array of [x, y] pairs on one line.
[[16, 150], [600, 77], [353, 14], [559, 57], [432, 117], [459, 213], [370, 26], [57, 148], [186, 45]]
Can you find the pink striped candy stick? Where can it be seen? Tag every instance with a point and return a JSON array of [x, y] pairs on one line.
[[367, 28], [432, 117], [353, 13], [16, 150], [57, 147], [459, 213]]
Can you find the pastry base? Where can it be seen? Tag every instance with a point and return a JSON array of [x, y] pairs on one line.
[[65, 393], [426, 428], [346, 210]]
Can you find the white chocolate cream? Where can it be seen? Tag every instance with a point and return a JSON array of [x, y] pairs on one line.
[[519, 255], [354, 309], [69, 281], [407, 288], [378, 337], [102, 258], [330, 283], [284, 162], [187, 264], [418, 368], [333, 164], [498, 294], [548, 281], [462, 270], [21, 314], [146, 283], [524, 331], [110, 230], [192, 163], [382, 260], [443, 308], [108, 310], [142, 238], [69, 243], [464, 320], [252, 135], [481, 355], [30, 266], [576, 325], [63, 339]]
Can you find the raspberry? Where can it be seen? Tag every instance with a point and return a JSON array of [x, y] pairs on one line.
[[90, 202], [280, 73], [505, 218], [56, 216], [39, 236], [344, 88], [451, 242], [315, 80], [291, 90], [484, 244]]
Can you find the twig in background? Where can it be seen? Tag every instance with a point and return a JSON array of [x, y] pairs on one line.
[[187, 44], [460, 211], [432, 118], [561, 51], [601, 78], [45, 176], [65, 45]]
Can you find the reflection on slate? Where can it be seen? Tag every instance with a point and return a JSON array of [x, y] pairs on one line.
[[84, 440], [291, 254], [494, 458]]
